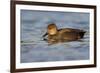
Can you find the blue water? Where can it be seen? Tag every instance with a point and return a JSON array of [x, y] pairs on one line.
[[33, 26]]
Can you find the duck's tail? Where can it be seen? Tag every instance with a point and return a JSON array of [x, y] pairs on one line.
[[82, 34]]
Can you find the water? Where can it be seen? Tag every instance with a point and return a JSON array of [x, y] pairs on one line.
[[33, 27]]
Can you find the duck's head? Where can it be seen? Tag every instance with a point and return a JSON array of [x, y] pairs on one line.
[[52, 29]]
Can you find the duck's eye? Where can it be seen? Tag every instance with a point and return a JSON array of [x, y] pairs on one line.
[[50, 28]]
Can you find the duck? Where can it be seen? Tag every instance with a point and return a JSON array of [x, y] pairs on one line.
[[55, 35]]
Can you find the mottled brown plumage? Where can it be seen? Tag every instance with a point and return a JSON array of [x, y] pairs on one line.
[[55, 35]]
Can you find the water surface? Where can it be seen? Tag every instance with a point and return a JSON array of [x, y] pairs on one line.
[[33, 26]]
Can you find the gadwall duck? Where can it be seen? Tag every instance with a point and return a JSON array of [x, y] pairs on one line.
[[55, 35]]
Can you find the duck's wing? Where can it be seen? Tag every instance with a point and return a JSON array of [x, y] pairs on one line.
[[71, 30], [74, 31]]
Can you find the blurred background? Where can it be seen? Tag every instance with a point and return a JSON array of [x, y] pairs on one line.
[[34, 26]]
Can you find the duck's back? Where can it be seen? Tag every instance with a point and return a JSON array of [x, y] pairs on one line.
[[69, 34]]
